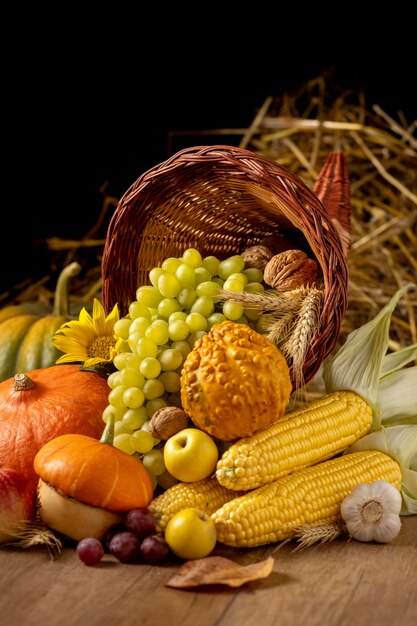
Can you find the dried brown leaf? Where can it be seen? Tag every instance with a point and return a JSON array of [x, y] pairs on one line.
[[217, 570]]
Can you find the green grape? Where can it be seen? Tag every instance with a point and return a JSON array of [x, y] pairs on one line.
[[192, 257], [122, 326], [232, 264], [196, 321], [133, 360], [154, 462], [115, 397], [253, 275], [201, 275], [211, 263], [122, 345], [218, 280], [186, 297], [164, 346], [166, 480], [242, 319], [239, 276], [232, 310], [145, 426], [170, 359], [208, 288], [153, 388], [150, 367], [171, 264], [122, 442], [152, 406], [186, 275], [178, 330], [254, 288], [234, 284], [167, 306], [119, 360], [262, 325], [183, 347], [116, 412], [134, 418], [146, 347], [203, 305], [141, 441], [133, 341], [252, 314], [215, 318], [149, 295], [178, 315], [158, 332], [169, 286], [171, 381], [194, 336], [133, 397], [131, 377], [113, 379], [155, 274], [139, 325], [138, 309], [120, 428]]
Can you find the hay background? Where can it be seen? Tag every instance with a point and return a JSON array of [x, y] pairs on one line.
[[298, 129]]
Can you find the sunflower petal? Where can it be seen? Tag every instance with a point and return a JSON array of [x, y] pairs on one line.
[[110, 321]]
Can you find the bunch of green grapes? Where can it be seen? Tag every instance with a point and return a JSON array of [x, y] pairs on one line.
[[179, 306]]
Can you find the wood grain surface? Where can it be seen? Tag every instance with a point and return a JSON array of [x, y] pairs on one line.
[[337, 584]]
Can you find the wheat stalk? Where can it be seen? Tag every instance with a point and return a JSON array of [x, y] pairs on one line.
[[31, 534], [274, 303], [322, 532], [296, 347]]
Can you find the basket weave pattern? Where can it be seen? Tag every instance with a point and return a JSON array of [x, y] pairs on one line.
[[221, 200]]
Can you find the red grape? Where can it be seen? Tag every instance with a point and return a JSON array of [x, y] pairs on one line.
[[90, 550], [140, 521], [125, 546], [110, 532], [154, 549]]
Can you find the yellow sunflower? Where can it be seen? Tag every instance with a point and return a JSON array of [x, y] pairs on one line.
[[89, 340]]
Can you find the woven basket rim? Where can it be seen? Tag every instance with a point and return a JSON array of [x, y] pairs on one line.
[[282, 193]]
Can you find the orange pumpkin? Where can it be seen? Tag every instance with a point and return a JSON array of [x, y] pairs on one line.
[[44, 403], [85, 485], [94, 472]]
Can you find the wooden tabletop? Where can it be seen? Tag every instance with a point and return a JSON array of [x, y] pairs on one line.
[[337, 584]]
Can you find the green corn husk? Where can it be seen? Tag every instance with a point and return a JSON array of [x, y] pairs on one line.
[[400, 442], [389, 384]]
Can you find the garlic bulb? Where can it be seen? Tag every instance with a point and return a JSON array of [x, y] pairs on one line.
[[371, 512]]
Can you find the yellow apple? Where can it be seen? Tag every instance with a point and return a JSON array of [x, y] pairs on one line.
[[190, 455], [191, 534]]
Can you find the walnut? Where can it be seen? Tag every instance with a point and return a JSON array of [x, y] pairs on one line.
[[289, 270], [257, 256], [167, 421]]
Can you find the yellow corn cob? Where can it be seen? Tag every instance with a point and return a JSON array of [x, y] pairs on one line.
[[314, 433], [274, 512], [205, 494]]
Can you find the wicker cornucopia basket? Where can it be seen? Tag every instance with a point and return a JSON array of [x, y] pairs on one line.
[[222, 200]]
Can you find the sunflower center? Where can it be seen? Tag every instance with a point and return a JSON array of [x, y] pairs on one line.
[[100, 347]]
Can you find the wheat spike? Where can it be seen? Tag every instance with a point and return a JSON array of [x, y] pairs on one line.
[[275, 303], [295, 348], [310, 534]]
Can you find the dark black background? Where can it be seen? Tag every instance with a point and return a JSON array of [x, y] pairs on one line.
[[93, 100]]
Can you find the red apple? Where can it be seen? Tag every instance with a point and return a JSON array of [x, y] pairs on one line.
[[17, 503]]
